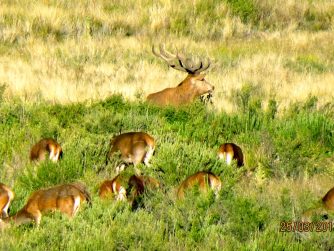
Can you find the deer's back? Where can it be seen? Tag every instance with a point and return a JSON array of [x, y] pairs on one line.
[[328, 199]]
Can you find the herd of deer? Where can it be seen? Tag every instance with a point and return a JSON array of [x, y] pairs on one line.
[[134, 148]]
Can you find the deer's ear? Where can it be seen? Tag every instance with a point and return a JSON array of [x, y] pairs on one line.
[[200, 77]]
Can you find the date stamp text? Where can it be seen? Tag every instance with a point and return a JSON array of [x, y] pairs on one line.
[[305, 226]]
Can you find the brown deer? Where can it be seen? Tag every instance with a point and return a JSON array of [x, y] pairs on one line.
[[46, 146], [125, 188], [203, 180], [149, 181], [114, 187], [6, 197], [326, 204], [193, 86], [65, 198], [135, 147], [229, 152]]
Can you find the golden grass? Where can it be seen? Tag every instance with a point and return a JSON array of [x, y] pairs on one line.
[[85, 66]]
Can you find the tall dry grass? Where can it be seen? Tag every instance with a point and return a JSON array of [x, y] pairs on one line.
[[71, 52]]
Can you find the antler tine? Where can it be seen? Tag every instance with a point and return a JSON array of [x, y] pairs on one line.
[[159, 54], [192, 66], [203, 67], [179, 62], [155, 52], [180, 59], [165, 52], [172, 60]]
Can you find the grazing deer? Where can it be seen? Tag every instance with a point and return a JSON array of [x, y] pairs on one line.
[[136, 188], [193, 86], [135, 147], [229, 152], [46, 146], [149, 181], [126, 188], [114, 187], [326, 204], [65, 198], [6, 197], [203, 180]]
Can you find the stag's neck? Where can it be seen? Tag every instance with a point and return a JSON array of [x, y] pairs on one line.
[[187, 90]]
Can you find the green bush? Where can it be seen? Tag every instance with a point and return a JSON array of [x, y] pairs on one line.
[[245, 9], [308, 63]]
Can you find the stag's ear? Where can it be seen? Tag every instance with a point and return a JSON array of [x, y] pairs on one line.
[[200, 77]]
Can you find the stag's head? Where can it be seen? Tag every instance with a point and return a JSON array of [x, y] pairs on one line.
[[200, 85], [194, 85]]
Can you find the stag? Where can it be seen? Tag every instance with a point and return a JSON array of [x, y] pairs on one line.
[[192, 87]]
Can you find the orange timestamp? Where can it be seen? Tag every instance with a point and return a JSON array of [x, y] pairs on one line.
[[305, 226]]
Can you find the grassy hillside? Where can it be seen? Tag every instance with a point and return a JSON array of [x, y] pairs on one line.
[[289, 166], [65, 52], [79, 71]]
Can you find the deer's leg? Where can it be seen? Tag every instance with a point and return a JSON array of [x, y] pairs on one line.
[[148, 155]]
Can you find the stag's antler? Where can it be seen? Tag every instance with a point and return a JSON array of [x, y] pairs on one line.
[[181, 63]]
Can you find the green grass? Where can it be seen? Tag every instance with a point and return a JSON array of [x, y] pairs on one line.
[[272, 66], [276, 148], [309, 63]]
